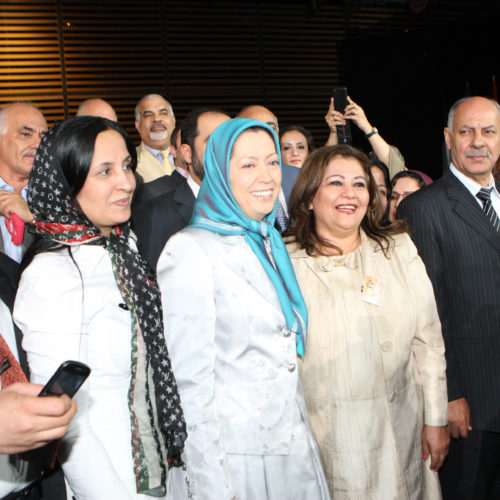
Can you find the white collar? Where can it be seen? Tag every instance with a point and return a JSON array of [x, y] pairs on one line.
[[472, 186], [194, 187]]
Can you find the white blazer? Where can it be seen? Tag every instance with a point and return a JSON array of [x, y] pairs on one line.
[[67, 316], [235, 364]]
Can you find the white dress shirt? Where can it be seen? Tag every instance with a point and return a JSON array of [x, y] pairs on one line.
[[158, 154], [13, 251], [194, 187]]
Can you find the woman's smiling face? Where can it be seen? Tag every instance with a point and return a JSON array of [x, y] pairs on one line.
[[341, 201], [255, 173], [106, 195], [294, 149]]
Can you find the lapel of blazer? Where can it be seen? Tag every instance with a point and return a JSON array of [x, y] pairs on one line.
[[237, 250], [299, 257], [143, 154], [467, 208], [370, 258], [184, 198], [371, 254]]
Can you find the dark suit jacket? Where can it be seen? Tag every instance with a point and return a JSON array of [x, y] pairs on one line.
[[461, 251], [9, 279], [146, 191], [160, 218], [162, 185], [27, 241], [288, 175]]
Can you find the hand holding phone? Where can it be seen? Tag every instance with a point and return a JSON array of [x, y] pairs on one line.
[[340, 103], [27, 421], [67, 379]]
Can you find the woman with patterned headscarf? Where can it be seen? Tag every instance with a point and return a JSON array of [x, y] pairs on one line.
[[236, 321], [85, 294]]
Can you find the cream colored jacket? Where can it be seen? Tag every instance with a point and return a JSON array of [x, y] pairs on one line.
[[149, 167], [372, 374]]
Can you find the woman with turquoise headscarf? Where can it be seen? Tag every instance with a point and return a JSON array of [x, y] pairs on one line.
[[235, 322]]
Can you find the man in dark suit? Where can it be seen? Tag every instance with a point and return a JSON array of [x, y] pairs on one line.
[[154, 120], [145, 191], [161, 217], [455, 228]]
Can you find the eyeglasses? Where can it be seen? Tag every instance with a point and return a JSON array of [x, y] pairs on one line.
[[395, 196]]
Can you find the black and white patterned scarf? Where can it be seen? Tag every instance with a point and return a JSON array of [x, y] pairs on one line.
[[157, 421]]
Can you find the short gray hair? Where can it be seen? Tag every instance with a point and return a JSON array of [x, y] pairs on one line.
[[4, 111], [148, 96], [453, 109]]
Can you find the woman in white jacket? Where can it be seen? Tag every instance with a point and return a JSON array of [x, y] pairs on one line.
[[87, 295], [235, 321]]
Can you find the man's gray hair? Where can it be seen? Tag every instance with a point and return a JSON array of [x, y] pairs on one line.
[[148, 96], [4, 110], [453, 110]]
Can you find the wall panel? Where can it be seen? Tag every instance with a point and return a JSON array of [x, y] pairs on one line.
[[114, 51], [30, 66], [284, 54]]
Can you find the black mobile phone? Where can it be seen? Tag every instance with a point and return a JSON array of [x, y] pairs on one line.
[[340, 102], [67, 379]]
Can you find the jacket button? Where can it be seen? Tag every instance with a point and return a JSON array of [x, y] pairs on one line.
[[291, 367], [393, 397], [387, 346], [287, 332]]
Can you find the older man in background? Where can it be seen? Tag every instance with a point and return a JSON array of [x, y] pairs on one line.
[[155, 121], [22, 126], [261, 114], [97, 107], [159, 218], [455, 224]]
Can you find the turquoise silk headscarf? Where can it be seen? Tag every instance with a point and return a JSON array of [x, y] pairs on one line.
[[217, 210]]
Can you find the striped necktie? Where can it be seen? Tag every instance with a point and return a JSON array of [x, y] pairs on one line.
[[281, 223], [484, 195]]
